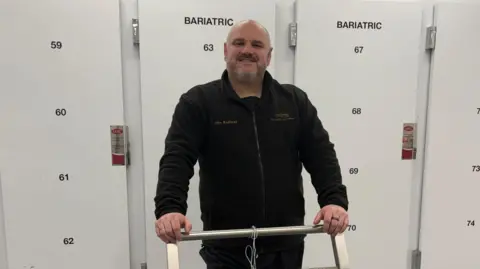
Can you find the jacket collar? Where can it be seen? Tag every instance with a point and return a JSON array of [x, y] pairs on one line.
[[230, 92]]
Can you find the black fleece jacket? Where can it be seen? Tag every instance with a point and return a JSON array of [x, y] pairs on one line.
[[250, 154]]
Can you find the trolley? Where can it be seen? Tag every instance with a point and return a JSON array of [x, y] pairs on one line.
[[338, 242]]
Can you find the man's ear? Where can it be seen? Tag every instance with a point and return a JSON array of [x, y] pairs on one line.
[[269, 56], [225, 50]]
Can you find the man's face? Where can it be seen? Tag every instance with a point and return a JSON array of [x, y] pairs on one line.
[[247, 52]]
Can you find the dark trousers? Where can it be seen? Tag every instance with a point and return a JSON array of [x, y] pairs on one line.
[[221, 258]]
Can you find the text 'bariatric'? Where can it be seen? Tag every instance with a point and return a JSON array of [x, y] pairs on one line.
[[363, 25], [209, 21]]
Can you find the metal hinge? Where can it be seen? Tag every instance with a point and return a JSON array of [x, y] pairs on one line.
[[136, 33], [143, 265], [431, 37], [416, 259], [292, 30]]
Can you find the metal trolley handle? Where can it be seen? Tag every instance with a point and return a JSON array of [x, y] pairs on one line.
[[338, 242]]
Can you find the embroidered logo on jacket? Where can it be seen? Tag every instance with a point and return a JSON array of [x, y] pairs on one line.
[[282, 117]]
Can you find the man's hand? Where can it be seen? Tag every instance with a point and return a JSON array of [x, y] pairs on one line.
[[335, 219], [169, 225]]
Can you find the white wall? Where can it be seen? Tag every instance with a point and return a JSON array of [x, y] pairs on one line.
[[284, 73]]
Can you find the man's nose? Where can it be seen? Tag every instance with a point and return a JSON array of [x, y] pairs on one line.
[[248, 48]]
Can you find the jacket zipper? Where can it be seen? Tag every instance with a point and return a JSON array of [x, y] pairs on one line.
[[261, 166]]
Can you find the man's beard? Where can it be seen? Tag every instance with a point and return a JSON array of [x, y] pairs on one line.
[[247, 76]]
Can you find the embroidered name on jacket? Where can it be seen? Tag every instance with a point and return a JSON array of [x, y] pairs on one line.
[[224, 122]]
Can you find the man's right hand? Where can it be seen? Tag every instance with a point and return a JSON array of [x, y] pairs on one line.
[[168, 227]]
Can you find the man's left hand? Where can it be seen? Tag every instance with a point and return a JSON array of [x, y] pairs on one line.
[[335, 219]]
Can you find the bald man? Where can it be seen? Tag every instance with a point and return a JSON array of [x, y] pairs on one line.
[[251, 135]]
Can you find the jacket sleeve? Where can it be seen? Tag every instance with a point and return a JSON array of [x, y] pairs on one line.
[[319, 158], [176, 167]]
